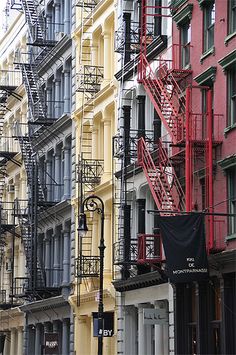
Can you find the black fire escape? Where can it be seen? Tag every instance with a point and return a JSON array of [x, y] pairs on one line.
[[132, 254], [40, 48]]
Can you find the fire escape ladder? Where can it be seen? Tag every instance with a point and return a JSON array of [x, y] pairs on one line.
[[167, 98], [90, 170], [35, 21], [29, 159], [34, 92], [162, 186], [167, 168], [24, 224]]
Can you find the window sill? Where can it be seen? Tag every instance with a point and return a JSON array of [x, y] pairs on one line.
[[230, 237], [229, 37], [207, 53], [229, 128]]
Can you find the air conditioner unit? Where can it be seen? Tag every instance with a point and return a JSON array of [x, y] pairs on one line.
[[11, 188]]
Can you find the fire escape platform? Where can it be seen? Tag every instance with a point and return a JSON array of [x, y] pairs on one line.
[[153, 49]]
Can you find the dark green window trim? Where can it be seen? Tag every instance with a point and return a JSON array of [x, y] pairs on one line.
[[229, 37], [227, 162], [184, 15], [203, 3], [207, 53], [228, 61], [207, 76], [231, 17], [176, 4], [230, 237]]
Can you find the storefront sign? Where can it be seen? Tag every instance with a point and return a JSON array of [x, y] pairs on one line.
[[51, 343], [108, 324], [155, 316], [185, 247]]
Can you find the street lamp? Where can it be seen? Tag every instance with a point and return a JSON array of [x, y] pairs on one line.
[[91, 203]]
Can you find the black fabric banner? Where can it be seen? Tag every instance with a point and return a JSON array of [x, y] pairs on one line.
[[184, 244]]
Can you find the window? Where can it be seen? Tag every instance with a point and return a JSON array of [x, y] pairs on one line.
[[204, 108], [231, 180], [185, 38], [209, 24], [231, 83], [232, 16]]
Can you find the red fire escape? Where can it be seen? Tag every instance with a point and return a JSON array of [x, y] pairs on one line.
[[190, 135]]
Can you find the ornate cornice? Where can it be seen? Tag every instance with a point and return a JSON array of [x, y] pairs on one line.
[[204, 3], [227, 162], [228, 61], [208, 75], [184, 15], [176, 4], [139, 281]]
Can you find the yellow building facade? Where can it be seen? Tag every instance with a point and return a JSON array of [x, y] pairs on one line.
[[95, 123]]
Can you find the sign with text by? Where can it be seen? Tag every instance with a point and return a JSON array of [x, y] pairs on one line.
[[155, 316], [51, 345], [108, 324]]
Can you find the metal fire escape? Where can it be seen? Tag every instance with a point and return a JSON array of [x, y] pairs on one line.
[[90, 169], [38, 120], [129, 250], [172, 101]]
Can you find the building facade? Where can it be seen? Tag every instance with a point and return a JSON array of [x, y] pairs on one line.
[[174, 155], [116, 113], [94, 122], [42, 251]]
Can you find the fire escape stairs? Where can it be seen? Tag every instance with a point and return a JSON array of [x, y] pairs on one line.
[[25, 225], [36, 23], [164, 185], [167, 98]]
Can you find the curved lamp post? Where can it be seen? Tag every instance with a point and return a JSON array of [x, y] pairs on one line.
[[94, 203]]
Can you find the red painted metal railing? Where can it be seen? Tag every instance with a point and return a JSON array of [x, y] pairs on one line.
[[166, 96], [164, 187], [149, 248]]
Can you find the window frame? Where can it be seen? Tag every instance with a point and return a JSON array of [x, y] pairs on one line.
[[231, 17], [231, 97], [185, 41], [208, 9], [231, 191]]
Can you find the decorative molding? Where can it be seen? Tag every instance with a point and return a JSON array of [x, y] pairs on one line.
[[176, 4], [227, 162], [208, 75], [229, 37], [184, 15], [228, 61], [207, 53], [139, 281], [204, 3]]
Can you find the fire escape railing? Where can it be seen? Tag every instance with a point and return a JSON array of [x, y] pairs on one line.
[[89, 79]]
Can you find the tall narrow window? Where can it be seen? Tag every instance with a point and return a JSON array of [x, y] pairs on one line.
[[232, 199], [231, 81], [232, 16], [185, 35], [209, 24]]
